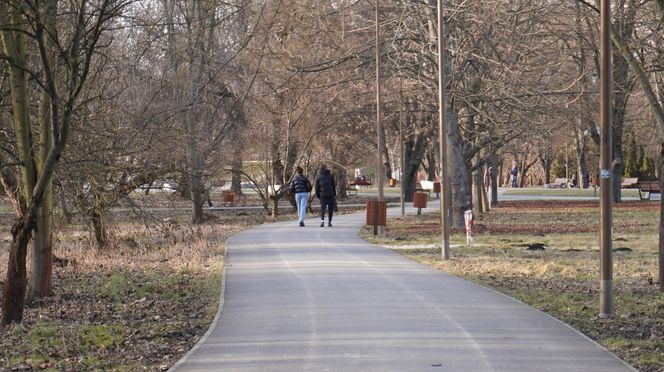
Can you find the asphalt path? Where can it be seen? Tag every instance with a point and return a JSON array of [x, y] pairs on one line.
[[322, 299]]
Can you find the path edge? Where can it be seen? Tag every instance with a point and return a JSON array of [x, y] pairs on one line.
[[222, 297]]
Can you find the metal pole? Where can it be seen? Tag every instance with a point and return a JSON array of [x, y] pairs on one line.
[[442, 133], [401, 149], [379, 124], [567, 164], [606, 179]]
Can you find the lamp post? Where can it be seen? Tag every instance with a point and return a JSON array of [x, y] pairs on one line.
[[401, 151], [442, 140], [378, 228], [606, 178]]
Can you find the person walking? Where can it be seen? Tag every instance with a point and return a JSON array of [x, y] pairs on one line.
[[513, 173], [488, 175], [326, 192], [301, 187]]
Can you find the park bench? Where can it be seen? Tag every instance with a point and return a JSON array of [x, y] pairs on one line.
[[428, 187], [273, 190], [647, 188], [629, 183], [558, 183], [355, 184]]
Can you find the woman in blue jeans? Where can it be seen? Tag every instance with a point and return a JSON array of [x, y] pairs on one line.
[[301, 186]]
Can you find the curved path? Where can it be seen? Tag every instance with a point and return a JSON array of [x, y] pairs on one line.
[[322, 299]]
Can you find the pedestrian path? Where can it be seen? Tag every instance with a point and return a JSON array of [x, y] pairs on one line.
[[322, 299]]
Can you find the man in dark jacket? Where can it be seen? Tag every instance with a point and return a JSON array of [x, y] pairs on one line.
[[326, 192]]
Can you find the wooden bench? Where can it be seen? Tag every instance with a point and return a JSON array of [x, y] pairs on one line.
[[355, 184], [647, 188], [429, 187], [629, 183], [558, 183]]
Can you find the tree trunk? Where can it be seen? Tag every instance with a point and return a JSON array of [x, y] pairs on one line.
[[41, 271], [195, 175], [661, 219], [14, 46], [39, 284], [13, 293], [458, 175], [275, 207], [477, 192], [431, 165], [415, 148], [494, 187], [342, 182], [99, 228]]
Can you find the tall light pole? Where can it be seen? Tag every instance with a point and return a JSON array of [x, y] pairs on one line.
[[378, 229], [606, 178], [401, 151], [442, 140]]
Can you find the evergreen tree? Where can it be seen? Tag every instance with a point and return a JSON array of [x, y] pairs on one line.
[[631, 167], [641, 160], [647, 169]]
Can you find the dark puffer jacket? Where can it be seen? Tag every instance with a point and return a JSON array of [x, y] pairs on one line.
[[300, 184], [325, 185]]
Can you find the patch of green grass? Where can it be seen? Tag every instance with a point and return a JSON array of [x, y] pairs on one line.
[[100, 337], [44, 335], [212, 289], [564, 192], [118, 285], [650, 361]]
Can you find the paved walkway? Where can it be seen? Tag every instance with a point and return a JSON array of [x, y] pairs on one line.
[[321, 299]]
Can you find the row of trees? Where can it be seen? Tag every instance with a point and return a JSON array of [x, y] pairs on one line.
[[146, 90]]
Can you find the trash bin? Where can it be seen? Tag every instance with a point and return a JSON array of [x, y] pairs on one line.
[[372, 206], [419, 201], [228, 196]]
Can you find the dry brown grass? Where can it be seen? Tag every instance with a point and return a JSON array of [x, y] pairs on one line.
[[139, 303]]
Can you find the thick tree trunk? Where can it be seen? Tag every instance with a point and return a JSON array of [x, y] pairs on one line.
[[13, 294], [458, 176], [15, 50], [42, 259], [415, 149], [342, 182]]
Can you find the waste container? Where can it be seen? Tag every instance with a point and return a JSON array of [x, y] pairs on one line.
[[373, 207], [419, 201]]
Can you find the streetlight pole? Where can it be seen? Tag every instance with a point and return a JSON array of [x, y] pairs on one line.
[[378, 228], [401, 152], [442, 139], [606, 178]]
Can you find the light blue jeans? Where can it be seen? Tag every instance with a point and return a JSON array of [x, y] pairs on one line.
[[301, 199]]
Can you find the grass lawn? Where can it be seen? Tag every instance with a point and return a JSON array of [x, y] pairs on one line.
[[563, 278], [565, 192]]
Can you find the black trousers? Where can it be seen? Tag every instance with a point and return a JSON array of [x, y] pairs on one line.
[[329, 204]]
